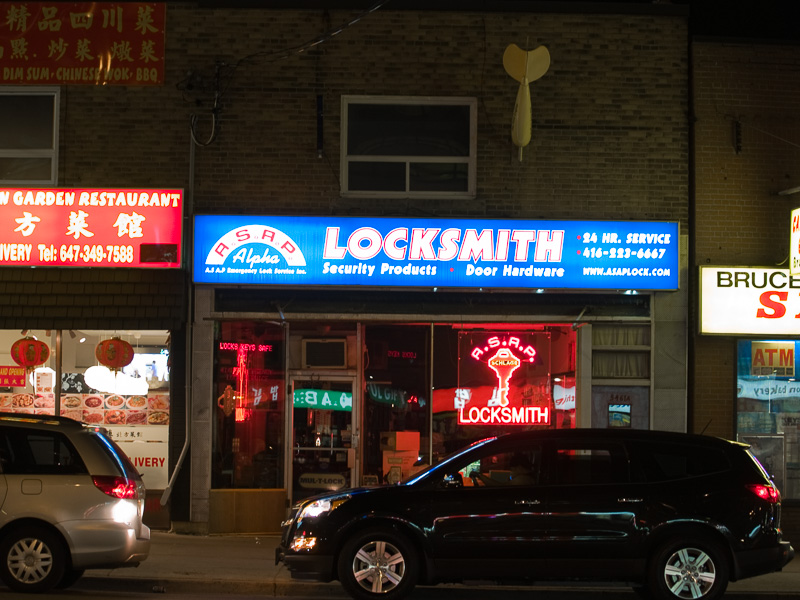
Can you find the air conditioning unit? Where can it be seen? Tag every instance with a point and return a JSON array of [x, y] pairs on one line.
[[323, 353]]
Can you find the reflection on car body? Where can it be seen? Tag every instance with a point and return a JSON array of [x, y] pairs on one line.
[[679, 515]]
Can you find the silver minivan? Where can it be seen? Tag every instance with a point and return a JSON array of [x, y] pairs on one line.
[[70, 500]]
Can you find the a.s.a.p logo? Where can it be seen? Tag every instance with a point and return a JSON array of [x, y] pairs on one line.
[[255, 246]]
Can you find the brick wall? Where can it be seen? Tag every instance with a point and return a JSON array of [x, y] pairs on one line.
[[610, 134], [92, 299], [610, 137], [740, 219]]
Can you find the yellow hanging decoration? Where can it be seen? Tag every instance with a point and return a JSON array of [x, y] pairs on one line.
[[525, 66]]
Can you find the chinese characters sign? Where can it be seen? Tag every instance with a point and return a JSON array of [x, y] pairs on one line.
[[12, 376], [97, 43], [90, 227]]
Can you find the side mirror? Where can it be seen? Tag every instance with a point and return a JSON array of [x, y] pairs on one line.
[[453, 480]]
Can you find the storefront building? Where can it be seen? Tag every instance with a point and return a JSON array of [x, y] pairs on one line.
[[95, 344], [354, 351], [747, 167], [299, 112], [758, 306]]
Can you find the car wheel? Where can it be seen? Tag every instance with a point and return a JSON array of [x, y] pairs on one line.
[[32, 559], [69, 578], [378, 563], [690, 568]]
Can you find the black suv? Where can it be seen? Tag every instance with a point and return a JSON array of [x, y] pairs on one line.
[[674, 515]]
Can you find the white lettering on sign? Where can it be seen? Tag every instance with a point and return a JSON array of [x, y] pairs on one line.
[[256, 234], [749, 301], [15, 252], [420, 244]]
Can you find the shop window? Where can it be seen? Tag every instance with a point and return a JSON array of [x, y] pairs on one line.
[[248, 405], [768, 409], [29, 136], [494, 381], [130, 398], [406, 146], [396, 402], [621, 351]]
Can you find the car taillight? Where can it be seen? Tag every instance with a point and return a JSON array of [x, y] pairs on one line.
[[118, 487], [766, 492]]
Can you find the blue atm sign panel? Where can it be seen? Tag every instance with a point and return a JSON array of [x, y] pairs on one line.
[[435, 253]]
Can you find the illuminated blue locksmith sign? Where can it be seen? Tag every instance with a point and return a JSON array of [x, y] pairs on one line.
[[435, 253]]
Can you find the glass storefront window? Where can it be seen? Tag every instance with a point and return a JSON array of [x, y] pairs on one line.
[[768, 408], [130, 400], [495, 380], [248, 405], [396, 401]]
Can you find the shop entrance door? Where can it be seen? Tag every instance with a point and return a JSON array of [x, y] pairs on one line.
[[323, 434]]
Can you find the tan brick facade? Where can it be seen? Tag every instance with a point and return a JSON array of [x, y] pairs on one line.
[[610, 136], [739, 218]]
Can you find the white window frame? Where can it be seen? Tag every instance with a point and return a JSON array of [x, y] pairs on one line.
[[52, 152], [470, 160]]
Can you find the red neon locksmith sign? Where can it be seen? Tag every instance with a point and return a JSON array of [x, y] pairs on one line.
[[504, 415], [91, 227], [503, 355]]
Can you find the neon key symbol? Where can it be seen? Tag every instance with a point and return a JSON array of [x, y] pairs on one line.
[[504, 363]]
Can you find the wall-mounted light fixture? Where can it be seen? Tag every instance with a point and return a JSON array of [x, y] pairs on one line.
[[789, 191]]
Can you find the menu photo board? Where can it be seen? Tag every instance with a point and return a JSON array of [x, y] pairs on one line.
[[93, 408], [91, 227]]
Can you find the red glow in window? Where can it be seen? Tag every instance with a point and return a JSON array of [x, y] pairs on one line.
[[503, 363]]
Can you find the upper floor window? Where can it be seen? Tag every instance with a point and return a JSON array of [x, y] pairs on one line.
[[29, 136], [395, 146]]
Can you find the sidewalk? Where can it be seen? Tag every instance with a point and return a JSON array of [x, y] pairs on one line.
[[246, 565]]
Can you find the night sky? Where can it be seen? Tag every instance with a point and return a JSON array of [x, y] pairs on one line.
[[764, 20]]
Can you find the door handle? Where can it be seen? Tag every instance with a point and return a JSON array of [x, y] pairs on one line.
[[630, 500], [527, 502]]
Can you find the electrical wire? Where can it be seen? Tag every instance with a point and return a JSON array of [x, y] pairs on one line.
[[270, 56]]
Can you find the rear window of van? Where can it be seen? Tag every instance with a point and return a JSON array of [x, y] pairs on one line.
[[668, 462]]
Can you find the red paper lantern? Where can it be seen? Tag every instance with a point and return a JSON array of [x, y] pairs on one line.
[[114, 353], [29, 352]]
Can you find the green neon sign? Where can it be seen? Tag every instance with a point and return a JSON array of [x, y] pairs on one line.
[[323, 399]]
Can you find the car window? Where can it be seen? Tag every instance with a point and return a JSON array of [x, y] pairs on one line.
[[38, 453], [590, 463], [668, 462], [112, 451], [518, 466]]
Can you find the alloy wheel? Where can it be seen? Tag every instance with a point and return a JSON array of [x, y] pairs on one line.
[[689, 573], [379, 567]]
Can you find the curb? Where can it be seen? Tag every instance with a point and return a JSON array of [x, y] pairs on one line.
[[294, 588]]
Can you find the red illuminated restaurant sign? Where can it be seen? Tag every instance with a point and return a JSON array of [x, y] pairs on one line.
[[98, 43], [90, 227]]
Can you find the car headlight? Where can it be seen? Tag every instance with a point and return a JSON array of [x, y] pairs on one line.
[[322, 506]]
